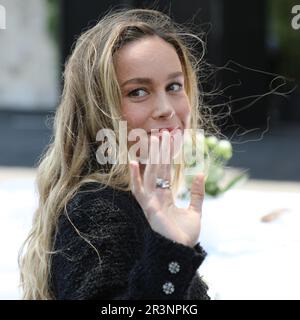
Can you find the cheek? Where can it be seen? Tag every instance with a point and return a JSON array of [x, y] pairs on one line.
[[135, 117], [184, 112]]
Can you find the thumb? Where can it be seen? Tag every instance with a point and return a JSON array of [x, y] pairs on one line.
[[197, 193]]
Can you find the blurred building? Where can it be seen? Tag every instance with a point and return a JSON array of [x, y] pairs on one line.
[[250, 45], [28, 58]]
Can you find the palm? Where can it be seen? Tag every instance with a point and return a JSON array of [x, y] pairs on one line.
[[178, 224]]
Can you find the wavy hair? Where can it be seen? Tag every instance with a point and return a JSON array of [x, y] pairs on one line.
[[91, 100]]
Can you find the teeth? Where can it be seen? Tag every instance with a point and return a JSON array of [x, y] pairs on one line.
[[162, 130]]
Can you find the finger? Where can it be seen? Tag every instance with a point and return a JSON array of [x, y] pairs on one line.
[[151, 169], [197, 193], [164, 170], [136, 180]]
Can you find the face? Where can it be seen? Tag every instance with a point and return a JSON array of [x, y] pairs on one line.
[[151, 78]]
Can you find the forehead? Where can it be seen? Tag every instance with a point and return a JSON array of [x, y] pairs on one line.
[[150, 57]]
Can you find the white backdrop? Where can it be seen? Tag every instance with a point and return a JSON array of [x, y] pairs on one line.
[[247, 259]]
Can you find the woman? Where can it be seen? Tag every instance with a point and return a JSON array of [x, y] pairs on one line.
[[112, 231]]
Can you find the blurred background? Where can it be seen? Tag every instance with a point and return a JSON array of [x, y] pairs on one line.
[[255, 49], [252, 44]]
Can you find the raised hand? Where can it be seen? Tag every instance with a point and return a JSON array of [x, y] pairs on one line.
[[178, 224]]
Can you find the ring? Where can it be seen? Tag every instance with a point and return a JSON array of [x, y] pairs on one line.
[[162, 183]]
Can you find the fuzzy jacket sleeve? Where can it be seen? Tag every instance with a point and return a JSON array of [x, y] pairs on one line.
[[105, 252]]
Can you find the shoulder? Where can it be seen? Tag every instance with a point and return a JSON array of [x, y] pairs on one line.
[[95, 241], [95, 195], [95, 198], [95, 207], [98, 216]]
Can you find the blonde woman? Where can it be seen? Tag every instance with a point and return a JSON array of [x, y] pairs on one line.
[[113, 231]]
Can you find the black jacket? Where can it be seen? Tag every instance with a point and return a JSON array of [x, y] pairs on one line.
[[106, 249]]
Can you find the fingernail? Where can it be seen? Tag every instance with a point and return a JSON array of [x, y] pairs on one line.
[[133, 162], [200, 178]]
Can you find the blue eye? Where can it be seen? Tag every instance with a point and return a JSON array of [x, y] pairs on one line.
[[141, 92], [133, 93], [179, 86]]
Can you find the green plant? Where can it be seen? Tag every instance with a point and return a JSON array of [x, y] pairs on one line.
[[215, 155], [53, 18]]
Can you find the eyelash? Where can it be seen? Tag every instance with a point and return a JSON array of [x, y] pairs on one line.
[[130, 94]]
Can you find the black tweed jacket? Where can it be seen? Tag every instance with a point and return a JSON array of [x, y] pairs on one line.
[[106, 249]]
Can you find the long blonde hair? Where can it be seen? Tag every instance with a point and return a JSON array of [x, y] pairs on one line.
[[91, 100]]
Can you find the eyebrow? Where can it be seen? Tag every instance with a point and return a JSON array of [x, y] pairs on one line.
[[148, 80]]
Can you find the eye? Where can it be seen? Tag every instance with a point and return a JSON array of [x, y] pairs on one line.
[[137, 93], [176, 85], [141, 92]]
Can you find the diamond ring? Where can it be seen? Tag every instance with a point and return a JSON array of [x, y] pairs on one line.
[[162, 183]]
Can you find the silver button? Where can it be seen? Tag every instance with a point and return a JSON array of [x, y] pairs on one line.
[[168, 288], [174, 267]]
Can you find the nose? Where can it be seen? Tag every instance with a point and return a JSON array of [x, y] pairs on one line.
[[163, 110]]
